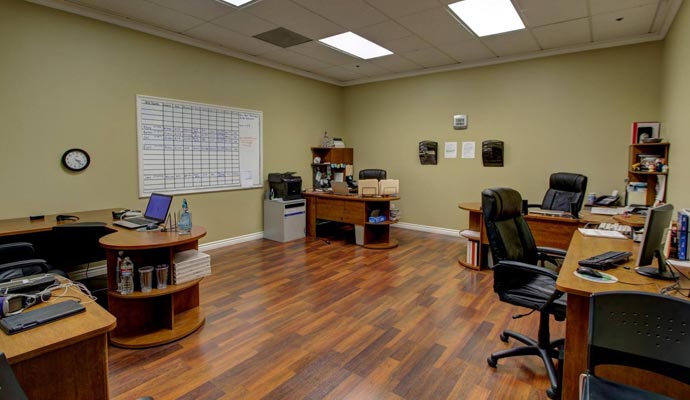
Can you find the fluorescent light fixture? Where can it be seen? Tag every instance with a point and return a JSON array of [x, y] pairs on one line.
[[355, 45], [488, 17], [237, 3]]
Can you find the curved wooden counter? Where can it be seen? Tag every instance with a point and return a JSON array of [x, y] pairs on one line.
[[161, 315]]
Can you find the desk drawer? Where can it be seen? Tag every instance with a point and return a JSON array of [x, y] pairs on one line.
[[330, 209], [354, 212]]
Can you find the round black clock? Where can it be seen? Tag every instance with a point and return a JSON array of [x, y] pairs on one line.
[[76, 159]]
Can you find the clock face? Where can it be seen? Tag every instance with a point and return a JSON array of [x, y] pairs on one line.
[[76, 159]]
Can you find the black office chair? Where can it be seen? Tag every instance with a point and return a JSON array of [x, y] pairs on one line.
[[77, 243], [518, 280], [378, 174], [9, 386], [636, 329], [19, 259], [566, 192]]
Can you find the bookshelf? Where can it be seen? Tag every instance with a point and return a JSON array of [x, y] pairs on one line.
[[334, 160], [638, 153]]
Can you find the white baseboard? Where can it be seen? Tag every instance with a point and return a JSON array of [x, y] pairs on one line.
[[230, 241], [425, 228]]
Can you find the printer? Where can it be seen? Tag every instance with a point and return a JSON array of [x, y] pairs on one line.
[[285, 185]]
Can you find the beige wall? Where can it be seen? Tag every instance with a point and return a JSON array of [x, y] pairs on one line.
[[675, 104], [69, 81], [567, 113]]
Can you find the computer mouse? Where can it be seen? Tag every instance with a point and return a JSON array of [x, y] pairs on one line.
[[151, 227], [589, 271]]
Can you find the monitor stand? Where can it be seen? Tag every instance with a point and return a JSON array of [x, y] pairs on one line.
[[660, 272]]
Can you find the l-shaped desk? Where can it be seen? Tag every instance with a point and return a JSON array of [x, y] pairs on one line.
[[143, 319]]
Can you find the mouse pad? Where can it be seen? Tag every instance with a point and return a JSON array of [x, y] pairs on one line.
[[606, 278]]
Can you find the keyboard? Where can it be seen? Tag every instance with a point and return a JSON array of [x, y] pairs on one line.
[[606, 260], [624, 229], [140, 220], [31, 319]]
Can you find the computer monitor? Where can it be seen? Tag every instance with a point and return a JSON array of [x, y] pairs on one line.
[[652, 247], [389, 187]]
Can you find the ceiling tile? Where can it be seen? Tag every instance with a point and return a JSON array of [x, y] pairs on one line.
[[511, 43], [351, 14], [428, 57], [202, 9], [215, 34], [340, 73], [605, 6], [366, 68], [244, 23], [383, 32], [323, 53], [398, 8], [635, 21], [543, 12], [296, 60], [127, 8], [167, 18], [563, 34], [468, 50], [436, 26], [295, 18], [406, 44], [395, 63]]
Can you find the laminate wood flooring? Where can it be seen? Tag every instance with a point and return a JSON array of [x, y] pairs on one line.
[[312, 319]]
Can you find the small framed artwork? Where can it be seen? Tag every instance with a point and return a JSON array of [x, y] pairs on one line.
[[643, 132]]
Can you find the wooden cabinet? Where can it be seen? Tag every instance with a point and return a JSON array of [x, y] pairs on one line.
[[161, 315], [333, 160], [642, 154]]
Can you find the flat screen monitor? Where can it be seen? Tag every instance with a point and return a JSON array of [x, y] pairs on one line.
[[652, 247]]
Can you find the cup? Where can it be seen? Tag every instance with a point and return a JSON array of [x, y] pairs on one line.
[[162, 276], [145, 278]]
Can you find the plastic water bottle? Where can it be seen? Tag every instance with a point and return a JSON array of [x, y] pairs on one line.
[[127, 276], [184, 222]]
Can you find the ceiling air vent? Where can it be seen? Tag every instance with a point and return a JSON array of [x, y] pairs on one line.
[[282, 37]]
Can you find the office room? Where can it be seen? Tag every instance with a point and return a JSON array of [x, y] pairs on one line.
[[321, 317]]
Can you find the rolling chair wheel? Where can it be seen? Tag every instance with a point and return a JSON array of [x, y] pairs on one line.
[[492, 362], [503, 337], [550, 393]]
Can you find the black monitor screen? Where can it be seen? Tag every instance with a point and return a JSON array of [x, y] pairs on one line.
[[652, 246], [158, 206]]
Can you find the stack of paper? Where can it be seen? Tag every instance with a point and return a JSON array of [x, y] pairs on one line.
[[190, 265]]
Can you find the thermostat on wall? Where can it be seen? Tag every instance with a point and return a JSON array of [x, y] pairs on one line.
[[460, 121]]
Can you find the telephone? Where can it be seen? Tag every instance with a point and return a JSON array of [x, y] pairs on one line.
[[605, 200]]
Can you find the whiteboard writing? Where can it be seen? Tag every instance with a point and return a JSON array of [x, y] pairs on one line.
[[187, 147]]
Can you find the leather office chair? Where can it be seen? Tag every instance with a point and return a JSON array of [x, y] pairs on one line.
[[566, 192], [19, 259], [518, 280], [9, 387], [378, 174], [636, 329]]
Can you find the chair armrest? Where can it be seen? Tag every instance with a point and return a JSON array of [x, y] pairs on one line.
[[36, 262], [10, 252], [552, 251], [524, 267]]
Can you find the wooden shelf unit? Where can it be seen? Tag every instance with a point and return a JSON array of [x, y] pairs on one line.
[[161, 315], [660, 150], [333, 159]]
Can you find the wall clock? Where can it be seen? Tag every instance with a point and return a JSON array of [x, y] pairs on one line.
[[76, 159]]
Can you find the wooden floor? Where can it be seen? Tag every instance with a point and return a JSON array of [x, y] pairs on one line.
[[316, 319]]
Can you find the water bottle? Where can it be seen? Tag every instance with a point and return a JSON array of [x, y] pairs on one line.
[[184, 222], [127, 276]]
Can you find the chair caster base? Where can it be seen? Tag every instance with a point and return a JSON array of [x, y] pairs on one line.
[[503, 337], [492, 362]]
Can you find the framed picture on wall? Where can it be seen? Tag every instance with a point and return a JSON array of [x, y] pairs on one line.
[[642, 131]]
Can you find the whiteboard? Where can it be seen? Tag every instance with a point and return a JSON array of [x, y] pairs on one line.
[[187, 147]]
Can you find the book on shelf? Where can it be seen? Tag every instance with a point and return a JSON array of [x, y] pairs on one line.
[[683, 217]]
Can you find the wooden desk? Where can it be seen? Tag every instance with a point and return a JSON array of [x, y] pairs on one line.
[[64, 359], [577, 316], [547, 231], [352, 210], [143, 319]]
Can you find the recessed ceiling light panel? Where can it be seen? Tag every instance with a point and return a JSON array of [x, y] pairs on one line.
[[236, 3], [355, 45], [488, 17]]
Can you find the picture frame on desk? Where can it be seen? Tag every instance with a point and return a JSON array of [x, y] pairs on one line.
[[645, 130]]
